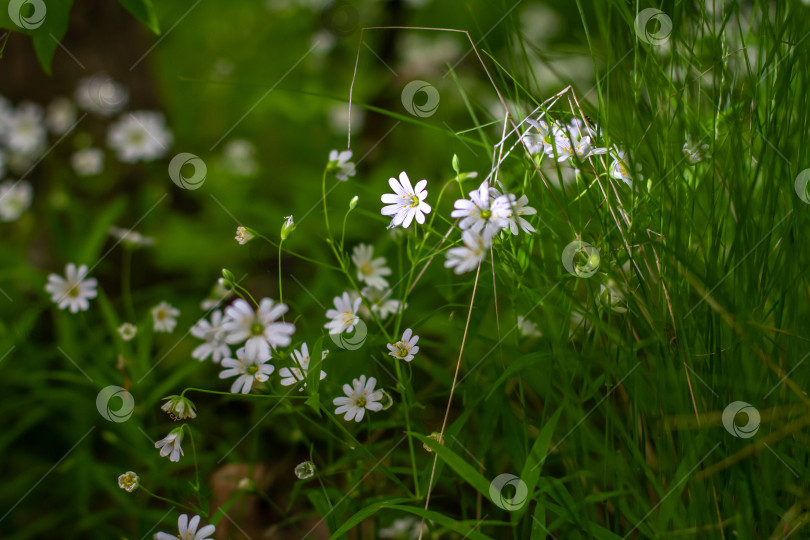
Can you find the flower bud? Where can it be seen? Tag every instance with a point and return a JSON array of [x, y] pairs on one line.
[[287, 227], [455, 164], [179, 407], [353, 202], [244, 235]]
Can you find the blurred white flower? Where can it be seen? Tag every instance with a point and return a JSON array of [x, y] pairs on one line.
[[75, 290], [370, 270], [187, 530], [304, 470], [60, 115], [339, 162], [612, 297], [25, 129], [339, 118], [290, 376], [131, 238], [467, 257], [422, 56], [406, 203], [140, 136], [239, 157], [344, 316], [695, 151], [620, 169], [258, 329], [101, 94], [407, 528], [405, 348], [380, 301], [127, 331], [248, 367], [527, 328], [213, 334], [516, 209], [360, 396], [88, 161], [170, 445], [15, 198], [164, 317]]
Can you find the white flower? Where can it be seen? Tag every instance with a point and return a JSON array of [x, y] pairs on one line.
[[293, 375], [25, 129], [612, 297], [571, 144], [164, 317], [88, 161], [466, 258], [339, 161], [259, 329], [127, 331], [102, 95], [406, 203], [344, 316], [619, 169], [304, 470], [170, 445], [239, 157], [130, 238], [287, 227], [60, 115], [540, 136], [695, 151], [247, 367], [243, 236], [187, 530], [405, 348], [128, 481], [15, 198], [484, 213], [180, 407], [380, 301], [139, 136], [407, 528], [516, 210], [214, 336], [74, 290], [361, 396], [370, 270], [527, 328]]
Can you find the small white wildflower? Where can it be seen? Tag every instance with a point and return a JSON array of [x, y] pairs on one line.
[[180, 407], [15, 198], [140, 136], [88, 161], [407, 528], [73, 291], [339, 162], [170, 445], [527, 328], [612, 297], [467, 257], [248, 367], [406, 203], [127, 331], [131, 238], [187, 530], [344, 315], [243, 235], [129, 481], [370, 270], [360, 396], [695, 151], [213, 334], [164, 317], [380, 301], [239, 157], [101, 94], [60, 115], [405, 348], [305, 470], [24, 129], [258, 329], [484, 213], [290, 376]]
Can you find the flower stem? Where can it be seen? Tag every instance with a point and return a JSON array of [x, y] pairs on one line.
[[406, 408], [170, 501]]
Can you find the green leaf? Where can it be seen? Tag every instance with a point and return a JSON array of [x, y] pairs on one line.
[[46, 32], [464, 469], [144, 11], [534, 462], [362, 515]]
